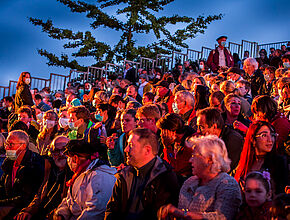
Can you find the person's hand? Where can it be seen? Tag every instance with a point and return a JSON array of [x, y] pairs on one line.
[[110, 141], [165, 211], [23, 216], [240, 126], [167, 137]]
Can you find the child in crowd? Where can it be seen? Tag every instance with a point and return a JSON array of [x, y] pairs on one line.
[[257, 194]]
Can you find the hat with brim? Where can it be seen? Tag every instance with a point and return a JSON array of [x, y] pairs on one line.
[[221, 38]]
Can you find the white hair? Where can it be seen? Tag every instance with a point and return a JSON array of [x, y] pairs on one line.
[[186, 96], [215, 148], [253, 62]]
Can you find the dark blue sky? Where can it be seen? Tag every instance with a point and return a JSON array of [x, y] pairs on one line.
[[263, 21]]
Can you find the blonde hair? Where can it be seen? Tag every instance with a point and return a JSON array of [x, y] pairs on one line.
[[214, 147]]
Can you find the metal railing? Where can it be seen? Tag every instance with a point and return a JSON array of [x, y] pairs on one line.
[[276, 45], [235, 48], [164, 62], [193, 55], [252, 47], [205, 51]]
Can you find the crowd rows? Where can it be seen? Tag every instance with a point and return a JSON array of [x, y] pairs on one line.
[[206, 141]]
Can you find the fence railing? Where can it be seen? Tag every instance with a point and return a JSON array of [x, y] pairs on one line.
[[165, 62], [276, 45]]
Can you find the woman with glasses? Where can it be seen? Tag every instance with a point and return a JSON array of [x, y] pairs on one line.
[[259, 154]]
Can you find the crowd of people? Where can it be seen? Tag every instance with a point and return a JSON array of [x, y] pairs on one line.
[[207, 140]]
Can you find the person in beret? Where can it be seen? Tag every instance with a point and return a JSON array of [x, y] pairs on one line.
[[221, 56], [91, 185]]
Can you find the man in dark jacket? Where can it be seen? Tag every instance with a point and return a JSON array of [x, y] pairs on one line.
[[146, 184], [130, 73], [221, 56], [54, 189], [210, 121], [22, 177], [255, 77]]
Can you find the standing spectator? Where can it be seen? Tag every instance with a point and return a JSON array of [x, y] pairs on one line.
[[146, 184], [23, 95], [130, 73], [221, 56]]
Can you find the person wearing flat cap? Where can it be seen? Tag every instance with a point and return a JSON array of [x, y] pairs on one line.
[[91, 185], [164, 94], [221, 56]]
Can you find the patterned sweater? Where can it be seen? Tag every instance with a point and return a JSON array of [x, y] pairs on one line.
[[218, 199]]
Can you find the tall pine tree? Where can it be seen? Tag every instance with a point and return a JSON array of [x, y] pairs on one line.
[[141, 18]]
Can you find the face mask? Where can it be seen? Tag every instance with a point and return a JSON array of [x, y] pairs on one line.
[[201, 66], [58, 98], [267, 77], [48, 124], [140, 81], [11, 154], [81, 91], [72, 126], [174, 107], [286, 65], [63, 122], [72, 165], [98, 117], [94, 103], [27, 81], [39, 116], [158, 76], [223, 43]]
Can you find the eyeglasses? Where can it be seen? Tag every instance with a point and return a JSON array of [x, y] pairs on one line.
[[264, 136]]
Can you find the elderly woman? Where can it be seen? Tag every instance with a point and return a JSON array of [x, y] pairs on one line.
[[211, 193]]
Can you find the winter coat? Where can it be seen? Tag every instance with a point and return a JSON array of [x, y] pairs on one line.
[[23, 97], [161, 188], [88, 196]]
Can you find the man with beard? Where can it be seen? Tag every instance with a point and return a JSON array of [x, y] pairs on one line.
[[52, 192], [146, 184]]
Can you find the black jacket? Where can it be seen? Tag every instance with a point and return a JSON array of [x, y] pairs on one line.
[[162, 188], [23, 97], [28, 179], [258, 84], [131, 75], [234, 142]]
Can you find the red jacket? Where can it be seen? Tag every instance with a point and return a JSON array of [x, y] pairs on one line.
[[213, 59]]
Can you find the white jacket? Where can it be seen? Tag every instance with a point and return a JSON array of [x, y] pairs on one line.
[[89, 195]]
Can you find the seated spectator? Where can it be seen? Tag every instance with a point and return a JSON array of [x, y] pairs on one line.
[[63, 121], [91, 185], [133, 105], [265, 108], [144, 86], [20, 125], [185, 104], [54, 189], [233, 116], [211, 193], [22, 177], [164, 94], [257, 205], [116, 145], [148, 98], [118, 91], [2, 152], [132, 91], [25, 115], [244, 90], [106, 114], [201, 96], [40, 104], [173, 134], [216, 99], [146, 184], [8, 108], [210, 121], [259, 154], [269, 75], [234, 74], [48, 131], [118, 102]]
